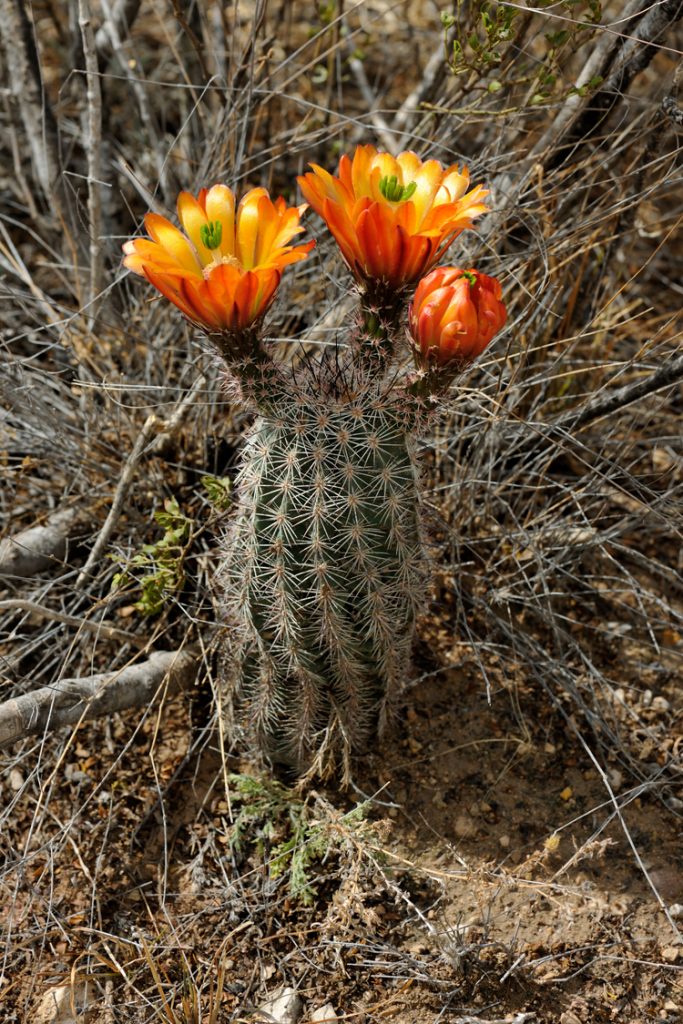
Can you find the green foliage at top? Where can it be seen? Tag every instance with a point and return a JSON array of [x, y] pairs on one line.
[[478, 41], [161, 563], [481, 47], [285, 832]]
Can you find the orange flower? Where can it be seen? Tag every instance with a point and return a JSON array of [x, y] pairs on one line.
[[454, 315], [392, 217], [224, 271]]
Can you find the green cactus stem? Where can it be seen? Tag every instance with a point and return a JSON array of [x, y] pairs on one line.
[[325, 569]]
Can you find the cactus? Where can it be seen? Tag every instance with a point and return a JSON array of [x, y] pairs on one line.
[[325, 565]]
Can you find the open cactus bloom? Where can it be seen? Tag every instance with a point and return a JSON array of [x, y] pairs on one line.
[[393, 217], [454, 315], [224, 270]]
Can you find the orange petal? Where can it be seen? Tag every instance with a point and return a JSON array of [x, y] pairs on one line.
[[206, 310], [343, 230], [170, 288]]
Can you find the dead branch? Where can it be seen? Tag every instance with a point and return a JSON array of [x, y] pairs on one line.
[[164, 440], [76, 700], [638, 50], [94, 153], [38, 548], [601, 406], [117, 24], [27, 90], [99, 628], [620, 398]]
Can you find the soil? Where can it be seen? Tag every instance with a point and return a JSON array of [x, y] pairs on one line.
[[497, 878]]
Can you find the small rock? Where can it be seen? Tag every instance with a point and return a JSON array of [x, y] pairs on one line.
[[616, 779], [676, 910], [646, 698], [55, 1005], [464, 827], [504, 841], [673, 803], [324, 1013], [671, 1006], [668, 881], [16, 780], [661, 704], [284, 1006], [672, 953]]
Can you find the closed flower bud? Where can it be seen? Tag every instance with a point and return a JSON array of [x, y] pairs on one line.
[[454, 315]]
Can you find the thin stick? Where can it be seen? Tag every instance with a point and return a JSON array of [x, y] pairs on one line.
[[164, 440], [119, 497], [26, 87], [94, 151], [108, 632], [72, 701], [620, 398]]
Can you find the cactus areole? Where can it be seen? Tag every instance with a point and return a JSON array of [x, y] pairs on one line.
[[325, 568]]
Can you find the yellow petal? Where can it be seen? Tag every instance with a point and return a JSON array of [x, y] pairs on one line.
[[454, 184], [428, 180], [246, 231], [220, 206], [173, 242], [192, 217], [360, 170], [410, 165]]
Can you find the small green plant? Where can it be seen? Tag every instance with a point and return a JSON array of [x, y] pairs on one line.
[[218, 491], [481, 48], [289, 834], [477, 41], [161, 562]]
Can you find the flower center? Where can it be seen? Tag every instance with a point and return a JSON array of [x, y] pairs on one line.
[[211, 234], [231, 261], [395, 193]]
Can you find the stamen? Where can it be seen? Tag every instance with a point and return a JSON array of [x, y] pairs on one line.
[[211, 234], [395, 193]]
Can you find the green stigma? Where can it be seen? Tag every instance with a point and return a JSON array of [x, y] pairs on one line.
[[395, 193], [211, 234], [472, 278]]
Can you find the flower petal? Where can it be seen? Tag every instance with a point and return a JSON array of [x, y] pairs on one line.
[[173, 242]]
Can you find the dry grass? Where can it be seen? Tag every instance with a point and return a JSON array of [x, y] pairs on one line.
[[556, 511]]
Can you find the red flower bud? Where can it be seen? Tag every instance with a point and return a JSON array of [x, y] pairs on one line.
[[454, 315]]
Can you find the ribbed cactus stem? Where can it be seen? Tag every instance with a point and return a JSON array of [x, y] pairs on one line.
[[325, 571]]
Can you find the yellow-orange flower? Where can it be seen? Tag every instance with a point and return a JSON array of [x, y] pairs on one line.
[[393, 217], [454, 315], [224, 271]]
